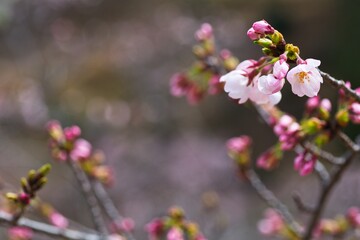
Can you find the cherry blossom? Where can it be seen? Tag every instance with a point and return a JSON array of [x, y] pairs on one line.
[[305, 79]]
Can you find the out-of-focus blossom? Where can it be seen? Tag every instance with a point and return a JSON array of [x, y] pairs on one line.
[[205, 32], [103, 173], [304, 163], [305, 79], [115, 237], [288, 131], [353, 215], [271, 224], [58, 220], [354, 111], [312, 104], [20, 233], [155, 228], [81, 150], [269, 159], [179, 85], [71, 133], [175, 234]]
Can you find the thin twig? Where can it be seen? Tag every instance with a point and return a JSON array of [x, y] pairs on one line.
[[301, 205], [90, 198], [109, 206], [6, 219], [348, 142], [273, 201], [325, 194], [340, 84], [320, 153]]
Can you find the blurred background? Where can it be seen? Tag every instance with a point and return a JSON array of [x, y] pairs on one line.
[[105, 66]]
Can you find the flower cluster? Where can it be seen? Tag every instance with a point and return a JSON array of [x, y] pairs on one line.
[[203, 76], [20, 233], [173, 227], [348, 109], [239, 150], [30, 185], [261, 81], [66, 144], [288, 132]]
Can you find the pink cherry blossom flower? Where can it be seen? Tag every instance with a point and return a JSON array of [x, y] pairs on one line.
[[242, 84], [271, 224], [20, 233], [175, 234], [305, 79], [269, 84], [280, 69], [263, 27], [304, 163], [58, 220], [81, 150]]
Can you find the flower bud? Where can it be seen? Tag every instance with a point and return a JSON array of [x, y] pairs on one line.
[[342, 117], [263, 27], [238, 149], [312, 125], [277, 37], [253, 35], [264, 42]]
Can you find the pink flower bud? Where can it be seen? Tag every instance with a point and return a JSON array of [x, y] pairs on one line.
[[127, 224], [268, 160], [263, 27], [24, 198], [58, 220], [20, 233], [280, 69], [304, 163], [155, 228], [253, 35], [72, 132], [326, 104], [81, 150], [312, 103], [179, 85], [238, 144], [225, 54], [204, 33]]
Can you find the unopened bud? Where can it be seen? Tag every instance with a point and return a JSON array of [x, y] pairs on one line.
[[312, 125], [25, 185], [267, 51], [342, 117], [11, 196], [277, 37], [45, 169], [264, 42]]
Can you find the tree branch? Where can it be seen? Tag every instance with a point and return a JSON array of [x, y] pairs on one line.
[[272, 201], [340, 84], [90, 198], [6, 219], [108, 205], [325, 194]]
